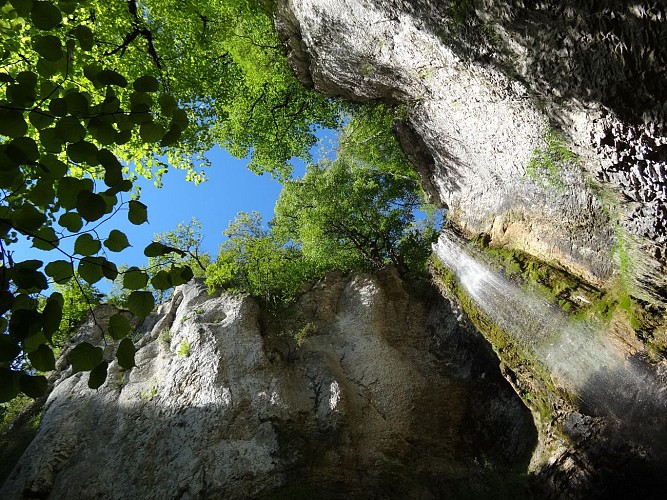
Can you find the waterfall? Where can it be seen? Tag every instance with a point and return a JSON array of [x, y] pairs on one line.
[[578, 354]]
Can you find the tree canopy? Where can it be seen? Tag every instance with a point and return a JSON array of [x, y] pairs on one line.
[[343, 214], [91, 95], [96, 93]]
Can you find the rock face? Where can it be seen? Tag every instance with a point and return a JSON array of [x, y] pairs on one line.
[[389, 395], [487, 86]]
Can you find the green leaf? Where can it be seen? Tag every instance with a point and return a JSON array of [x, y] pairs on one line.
[[50, 140], [117, 241], [49, 47], [87, 245], [23, 150], [42, 194], [161, 281], [110, 77], [70, 129], [84, 357], [83, 152], [71, 221], [85, 36], [7, 385], [125, 354], [90, 269], [12, 123], [167, 105], [138, 213], [8, 349], [22, 7], [45, 15], [33, 386], [180, 119], [51, 317], [91, 206], [59, 270], [6, 301], [98, 375], [123, 137], [40, 120], [151, 132], [68, 6], [110, 199], [68, 191], [52, 167], [140, 102], [21, 95], [24, 323], [28, 218], [7, 165], [146, 83], [45, 239], [58, 107], [42, 359], [180, 275], [103, 132], [141, 303], [77, 103], [172, 136], [134, 279], [157, 249], [119, 326], [109, 269]]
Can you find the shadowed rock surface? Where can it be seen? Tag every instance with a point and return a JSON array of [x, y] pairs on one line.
[[388, 396]]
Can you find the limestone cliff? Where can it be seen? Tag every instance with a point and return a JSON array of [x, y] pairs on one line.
[[541, 127], [391, 394], [492, 88]]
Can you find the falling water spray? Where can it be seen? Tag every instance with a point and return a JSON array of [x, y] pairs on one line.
[[578, 355]]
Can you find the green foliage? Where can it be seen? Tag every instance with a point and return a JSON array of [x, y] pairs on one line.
[[66, 117], [19, 420], [183, 348], [356, 212], [256, 261], [346, 214], [165, 338], [342, 215], [545, 165], [79, 298], [149, 394], [184, 244], [301, 334], [223, 62], [368, 139]]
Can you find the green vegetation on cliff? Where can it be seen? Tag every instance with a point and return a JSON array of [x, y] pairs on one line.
[[343, 214], [94, 94]]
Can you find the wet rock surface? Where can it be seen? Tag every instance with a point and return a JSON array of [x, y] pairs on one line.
[[388, 396]]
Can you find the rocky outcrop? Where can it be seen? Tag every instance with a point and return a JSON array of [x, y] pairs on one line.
[[386, 394], [485, 85]]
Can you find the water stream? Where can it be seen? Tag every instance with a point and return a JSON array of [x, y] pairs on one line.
[[578, 355]]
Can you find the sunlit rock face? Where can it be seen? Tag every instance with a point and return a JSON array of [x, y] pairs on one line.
[[388, 396], [483, 83]]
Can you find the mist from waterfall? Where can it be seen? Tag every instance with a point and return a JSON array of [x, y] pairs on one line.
[[579, 357]]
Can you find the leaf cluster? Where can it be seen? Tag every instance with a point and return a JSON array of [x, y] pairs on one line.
[[63, 114]]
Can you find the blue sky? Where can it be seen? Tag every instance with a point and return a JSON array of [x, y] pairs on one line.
[[230, 188]]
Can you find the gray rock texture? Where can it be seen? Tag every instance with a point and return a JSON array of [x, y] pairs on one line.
[[389, 395], [483, 84]]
